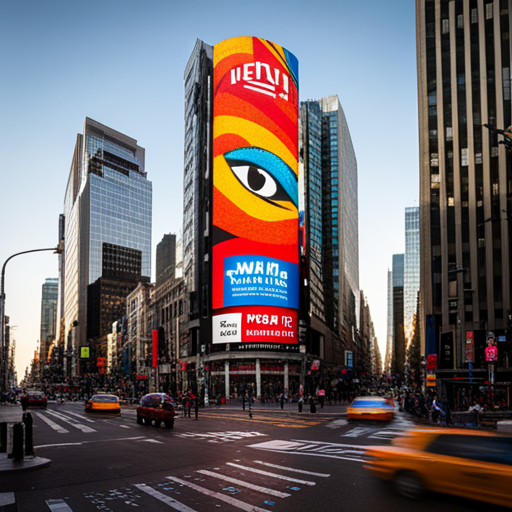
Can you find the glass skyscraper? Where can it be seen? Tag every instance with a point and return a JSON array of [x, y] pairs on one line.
[[331, 211], [411, 269], [107, 207], [49, 298]]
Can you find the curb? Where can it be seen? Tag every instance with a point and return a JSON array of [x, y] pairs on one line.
[[8, 502], [8, 466]]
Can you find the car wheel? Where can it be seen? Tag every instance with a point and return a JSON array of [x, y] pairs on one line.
[[147, 422], [169, 423], [158, 423], [409, 484], [140, 419]]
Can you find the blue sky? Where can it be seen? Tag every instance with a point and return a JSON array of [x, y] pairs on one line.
[[121, 63]]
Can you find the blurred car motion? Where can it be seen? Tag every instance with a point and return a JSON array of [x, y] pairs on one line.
[[468, 463], [156, 408], [33, 399], [103, 403], [371, 408]]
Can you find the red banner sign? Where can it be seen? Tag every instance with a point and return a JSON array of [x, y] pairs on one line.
[[155, 348]]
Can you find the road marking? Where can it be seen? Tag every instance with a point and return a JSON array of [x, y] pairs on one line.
[[323, 475], [337, 423], [52, 424], [150, 441], [58, 506], [277, 422], [71, 421], [79, 416], [124, 426], [228, 499], [358, 431], [272, 475], [241, 483], [57, 444], [316, 449], [216, 437], [176, 505]]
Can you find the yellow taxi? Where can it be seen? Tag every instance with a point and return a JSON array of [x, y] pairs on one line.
[[103, 403], [468, 463], [371, 408]]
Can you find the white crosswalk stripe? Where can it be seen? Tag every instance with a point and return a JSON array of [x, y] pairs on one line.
[[72, 422], [176, 505], [241, 483], [273, 475], [58, 506], [242, 505], [52, 424]]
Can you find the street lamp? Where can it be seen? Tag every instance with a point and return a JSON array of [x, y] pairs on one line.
[[3, 365]]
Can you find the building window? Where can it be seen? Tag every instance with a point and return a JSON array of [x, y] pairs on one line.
[[449, 133], [478, 158], [495, 189], [464, 156], [474, 15], [434, 160], [451, 201], [446, 26], [460, 21], [488, 11]]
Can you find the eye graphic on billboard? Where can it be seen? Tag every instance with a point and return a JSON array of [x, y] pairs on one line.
[[255, 222]]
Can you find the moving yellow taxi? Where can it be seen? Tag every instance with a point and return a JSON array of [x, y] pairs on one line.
[[370, 408], [103, 403], [468, 463]]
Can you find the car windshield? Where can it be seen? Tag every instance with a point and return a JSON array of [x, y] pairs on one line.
[[369, 403], [104, 398]]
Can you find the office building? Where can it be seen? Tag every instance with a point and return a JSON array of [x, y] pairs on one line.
[[49, 298], [411, 269], [464, 62], [165, 258], [399, 348], [107, 213], [331, 228]]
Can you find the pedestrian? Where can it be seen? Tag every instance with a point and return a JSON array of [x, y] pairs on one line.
[[312, 404], [243, 400], [301, 402], [321, 397], [281, 400]]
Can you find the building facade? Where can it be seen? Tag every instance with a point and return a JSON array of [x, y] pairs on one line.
[[411, 269], [49, 300], [399, 347], [463, 59], [165, 258], [108, 204]]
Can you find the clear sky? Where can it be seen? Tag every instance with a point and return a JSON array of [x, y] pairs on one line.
[[121, 62]]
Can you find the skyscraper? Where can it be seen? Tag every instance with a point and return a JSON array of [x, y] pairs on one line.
[[165, 258], [107, 211], [398, 353], [411, 269], [464, 62], [331, 217], [49, 298]]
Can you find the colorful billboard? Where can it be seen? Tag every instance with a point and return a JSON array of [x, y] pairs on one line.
[[255, 221]]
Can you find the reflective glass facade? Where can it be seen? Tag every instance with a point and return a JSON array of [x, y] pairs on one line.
[[108, 201], [411, 268]]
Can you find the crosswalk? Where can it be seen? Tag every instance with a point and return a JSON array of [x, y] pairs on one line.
[[252, 486], [275, 419]]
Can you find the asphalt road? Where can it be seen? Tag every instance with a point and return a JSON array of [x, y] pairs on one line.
[[276, 461]]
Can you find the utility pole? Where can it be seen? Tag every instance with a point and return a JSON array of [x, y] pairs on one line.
[[3, 347]]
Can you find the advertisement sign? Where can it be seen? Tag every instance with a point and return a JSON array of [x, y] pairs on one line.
[[349, 358], [491, 353], [470, 347], [84, 352], [255, 324], [255, 220]]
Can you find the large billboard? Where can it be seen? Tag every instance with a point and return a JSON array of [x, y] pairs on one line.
[[255, 221]]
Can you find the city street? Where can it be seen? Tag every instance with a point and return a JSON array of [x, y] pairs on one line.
[[278, 460]]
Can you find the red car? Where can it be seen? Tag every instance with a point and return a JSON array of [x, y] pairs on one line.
[[34, 399], [156, 408]]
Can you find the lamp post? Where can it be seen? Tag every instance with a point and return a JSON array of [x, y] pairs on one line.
[[3, 366]]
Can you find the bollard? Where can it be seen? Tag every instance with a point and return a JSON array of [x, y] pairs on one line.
[[17, 442], [197, 407], [29, 438], [3, 437]]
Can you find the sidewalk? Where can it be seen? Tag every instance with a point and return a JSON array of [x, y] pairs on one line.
[[13, 414]]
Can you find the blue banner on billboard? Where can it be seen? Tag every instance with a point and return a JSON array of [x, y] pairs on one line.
[[258, 280]]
